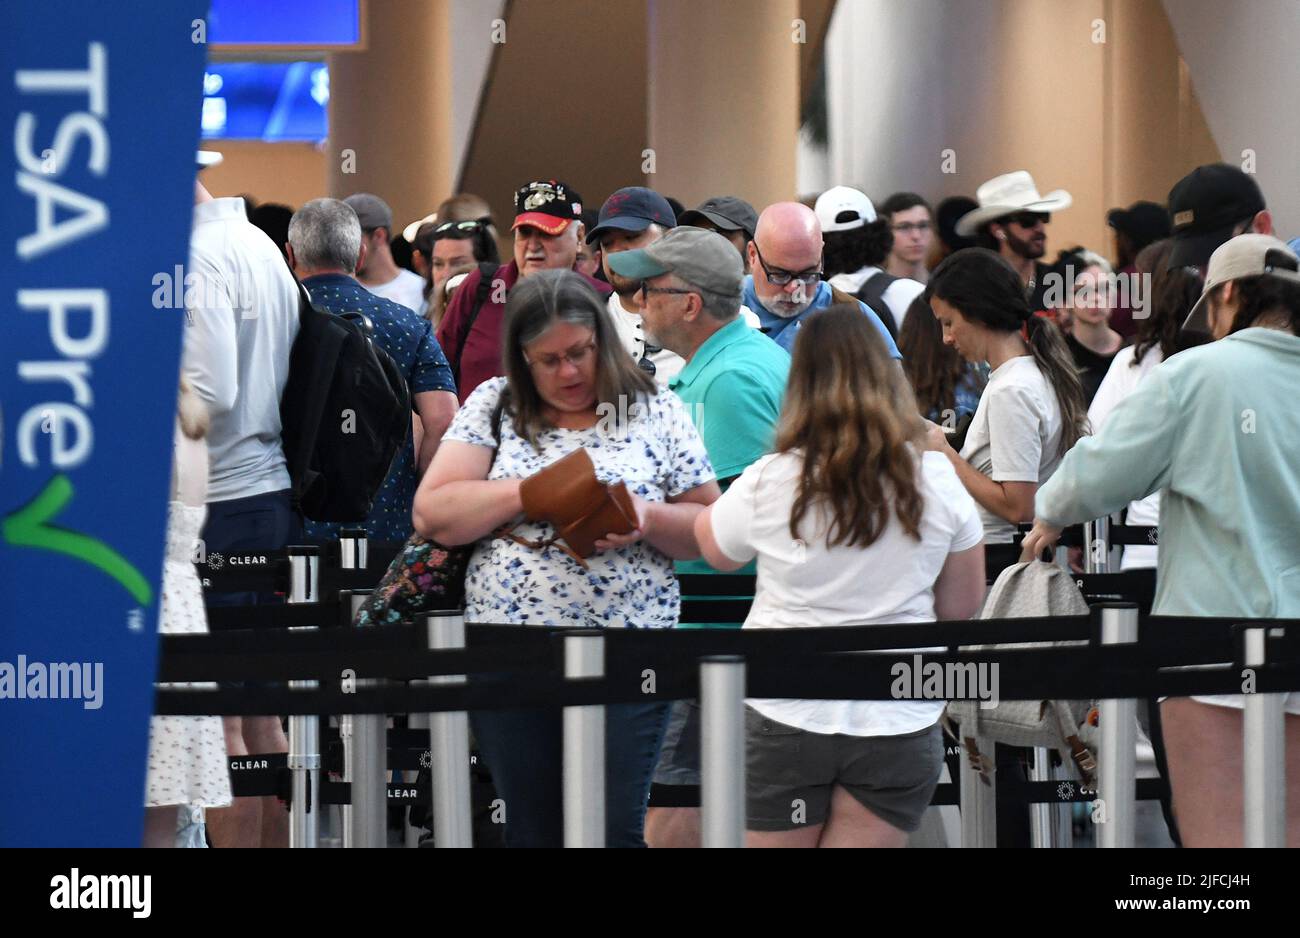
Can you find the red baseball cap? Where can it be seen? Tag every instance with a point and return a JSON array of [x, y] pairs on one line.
[[548, 205]]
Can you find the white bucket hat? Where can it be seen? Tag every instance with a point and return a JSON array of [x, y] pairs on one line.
[[1006, 195]]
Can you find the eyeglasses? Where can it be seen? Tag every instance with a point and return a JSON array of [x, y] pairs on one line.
[[908, 227], [647, 289], [1030, 219], [779, 277], [576, 356]]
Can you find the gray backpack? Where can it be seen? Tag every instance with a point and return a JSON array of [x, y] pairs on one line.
[[1026, 590]]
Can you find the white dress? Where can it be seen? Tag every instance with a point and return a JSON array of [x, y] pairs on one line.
[[187, 755]]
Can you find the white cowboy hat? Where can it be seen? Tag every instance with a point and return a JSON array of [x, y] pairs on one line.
[[1006, 195]]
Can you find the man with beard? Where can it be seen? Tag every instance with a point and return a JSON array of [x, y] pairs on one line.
[[548, 228], [1012, 220], [632, 218], [786, 285]]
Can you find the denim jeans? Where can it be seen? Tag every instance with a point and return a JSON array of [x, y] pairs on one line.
[[523, 749]]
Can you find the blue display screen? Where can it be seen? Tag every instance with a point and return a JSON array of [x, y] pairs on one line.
[[265, 101], [284, 22]]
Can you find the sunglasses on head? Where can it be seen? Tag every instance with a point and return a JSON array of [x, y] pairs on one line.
[[1030, 219], [457, 226]]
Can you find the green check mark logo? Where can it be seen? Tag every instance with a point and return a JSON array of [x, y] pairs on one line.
[[29, 527]]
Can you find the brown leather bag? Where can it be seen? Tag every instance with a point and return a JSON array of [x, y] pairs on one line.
[[568, 496]]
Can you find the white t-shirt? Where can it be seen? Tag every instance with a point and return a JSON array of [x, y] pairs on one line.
[[668, 364], [241, 320], [1122, 380], [1015, 435], [802, 583], [406, 288], [898, 296]]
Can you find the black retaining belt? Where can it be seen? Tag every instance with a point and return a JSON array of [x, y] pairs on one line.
[[1175, 657], [268, 571]]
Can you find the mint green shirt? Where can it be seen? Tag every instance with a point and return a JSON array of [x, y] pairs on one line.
[[732, 387], [1216, 430]]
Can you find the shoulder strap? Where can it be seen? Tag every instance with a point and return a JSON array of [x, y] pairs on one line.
[[875, 286], [486, 274], [872, 293]]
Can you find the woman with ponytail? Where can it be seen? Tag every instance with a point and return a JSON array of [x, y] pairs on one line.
[[852, 523], [1032, 410]]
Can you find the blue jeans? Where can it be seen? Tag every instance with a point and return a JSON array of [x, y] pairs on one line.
[[523, 749]]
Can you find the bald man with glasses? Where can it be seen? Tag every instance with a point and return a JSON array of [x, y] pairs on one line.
[[786, 285]]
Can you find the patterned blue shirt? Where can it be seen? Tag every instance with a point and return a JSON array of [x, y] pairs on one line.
[[408, 338]]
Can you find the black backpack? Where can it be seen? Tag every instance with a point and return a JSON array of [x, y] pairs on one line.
[[873, 294], [344, 415]]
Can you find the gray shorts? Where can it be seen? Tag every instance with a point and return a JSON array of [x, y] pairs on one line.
[[679, 757], [790, 773]]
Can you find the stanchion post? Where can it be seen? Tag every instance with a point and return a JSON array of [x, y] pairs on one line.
[[304, 728], [366, 753], [1264, 756], [449, 744], [584, 746], [1117, 756], [722, 751], [1042, 827], [979, 798], [1096, 545]]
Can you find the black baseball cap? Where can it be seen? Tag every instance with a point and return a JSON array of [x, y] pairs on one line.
[[1143, 222], [1205, 206], [726, 212], [946, 215], [633, 208], [548, 205]]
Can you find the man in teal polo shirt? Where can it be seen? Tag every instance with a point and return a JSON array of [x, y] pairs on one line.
[[732, 384], [734, 376]]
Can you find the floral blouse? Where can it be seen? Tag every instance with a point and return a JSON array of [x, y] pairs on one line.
[[653, 448]]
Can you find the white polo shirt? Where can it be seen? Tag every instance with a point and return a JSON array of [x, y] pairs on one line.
[[241, 320]]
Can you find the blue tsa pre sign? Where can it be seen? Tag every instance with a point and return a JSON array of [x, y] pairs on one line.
[[100, 103]]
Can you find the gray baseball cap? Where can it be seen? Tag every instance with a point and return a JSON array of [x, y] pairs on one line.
[[372, 211], [1247, 255], [700, 257]]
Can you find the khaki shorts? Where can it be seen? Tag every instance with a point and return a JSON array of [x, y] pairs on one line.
[[790, 773]]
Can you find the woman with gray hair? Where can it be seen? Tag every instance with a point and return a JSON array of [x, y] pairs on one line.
[[568, 385]]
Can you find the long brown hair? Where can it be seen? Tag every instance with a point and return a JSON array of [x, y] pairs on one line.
[[851, 417], [535, 304], [1174, 291], [933, 369]]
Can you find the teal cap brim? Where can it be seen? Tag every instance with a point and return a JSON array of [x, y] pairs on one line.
[[635, 265]]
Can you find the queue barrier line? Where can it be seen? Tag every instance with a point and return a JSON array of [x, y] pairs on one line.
[[1166, 641], [268, 571], [1031, 674]]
